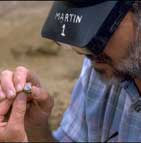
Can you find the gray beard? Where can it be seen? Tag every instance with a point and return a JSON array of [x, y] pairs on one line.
[[131, 66], [128, 68]]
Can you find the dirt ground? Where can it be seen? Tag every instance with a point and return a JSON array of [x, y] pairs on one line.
[[21, 44]]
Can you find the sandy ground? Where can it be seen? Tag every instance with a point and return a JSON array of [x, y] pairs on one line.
[[21, 44]]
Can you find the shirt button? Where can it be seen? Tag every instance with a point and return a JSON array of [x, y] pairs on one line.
[[137, 106]]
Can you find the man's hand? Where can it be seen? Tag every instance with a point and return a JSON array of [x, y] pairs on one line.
[[38, 113], [39, 103], [12, 129]]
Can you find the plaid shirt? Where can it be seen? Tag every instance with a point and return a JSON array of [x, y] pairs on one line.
[[98, 111]]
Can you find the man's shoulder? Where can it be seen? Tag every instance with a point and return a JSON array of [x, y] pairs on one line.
[[88, 74], [85, 67]]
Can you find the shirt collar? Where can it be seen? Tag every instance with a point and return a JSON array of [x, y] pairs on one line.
[[131, 89]]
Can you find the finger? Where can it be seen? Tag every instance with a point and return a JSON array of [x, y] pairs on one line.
[[45, 101], [2, 95], [32, 77], [2, 129], [20, 77], [1, 118], [4, 108], [7, 84], [15, 130], [18, 111], [3, 124], [23, 75]]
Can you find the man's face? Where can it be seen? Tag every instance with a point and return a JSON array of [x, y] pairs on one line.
[[117, 61]]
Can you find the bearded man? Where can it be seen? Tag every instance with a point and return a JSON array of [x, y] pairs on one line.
[[106, 100]]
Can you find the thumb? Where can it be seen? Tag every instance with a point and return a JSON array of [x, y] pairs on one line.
[[18, 111], [15, 130]]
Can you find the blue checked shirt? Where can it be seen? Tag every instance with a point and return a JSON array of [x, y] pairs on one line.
[[98, 111]]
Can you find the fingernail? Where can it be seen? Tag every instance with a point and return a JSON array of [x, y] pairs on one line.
[[19, 88], [11, 93]]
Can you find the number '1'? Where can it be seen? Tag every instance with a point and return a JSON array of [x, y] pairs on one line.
[[63, 30]]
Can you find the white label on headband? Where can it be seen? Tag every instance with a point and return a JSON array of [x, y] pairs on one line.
[[63, 30], [65, 17]]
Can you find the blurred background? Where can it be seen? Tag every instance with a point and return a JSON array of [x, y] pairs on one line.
[[21, 44]]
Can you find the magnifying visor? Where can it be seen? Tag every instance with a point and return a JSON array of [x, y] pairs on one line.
[[87, 26]]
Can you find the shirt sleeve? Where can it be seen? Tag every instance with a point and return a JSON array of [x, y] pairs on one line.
[[73, 126], [61, 136]]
